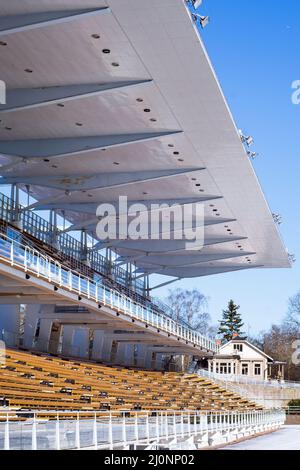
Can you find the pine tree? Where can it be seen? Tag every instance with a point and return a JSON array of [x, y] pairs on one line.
[[232, 322]]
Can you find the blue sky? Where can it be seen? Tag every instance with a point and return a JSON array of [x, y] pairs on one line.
[[254, 47]]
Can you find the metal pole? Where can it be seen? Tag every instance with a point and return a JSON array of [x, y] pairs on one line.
[[136, 428], [124, 430], [95, 434], [77, 432], [6, 433], [34, 438], [148, 428], [57, 434], [110, 433]]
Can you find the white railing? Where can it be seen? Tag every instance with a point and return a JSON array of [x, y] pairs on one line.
[[243, 379], [42, 266], [109, 430]]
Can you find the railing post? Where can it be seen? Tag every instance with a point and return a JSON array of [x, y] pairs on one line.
[[157, 427], [166, 426], [189, 423], [136, 428], [182, 425], [124, 430], [57, 433], [147, 427], [6, 434], [77, 432], [95, 433], [12, 253], [34, 437], [110, 432], [175, 426]]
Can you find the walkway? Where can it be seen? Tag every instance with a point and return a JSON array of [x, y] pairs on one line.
[[288, 438]]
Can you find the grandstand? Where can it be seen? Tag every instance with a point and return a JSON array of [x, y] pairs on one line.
[[109, 99]]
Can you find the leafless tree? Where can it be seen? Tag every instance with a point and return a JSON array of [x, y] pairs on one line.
[[190, 307], [293, 316]]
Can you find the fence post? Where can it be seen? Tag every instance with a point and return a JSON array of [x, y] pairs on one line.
[[6, 433], [148, 428], [110, 433], [136, 428], [95, 434], [77, 432], [157, 427], [167, 425], [175, 426], [57, 434], [124, 429], [34, 438]]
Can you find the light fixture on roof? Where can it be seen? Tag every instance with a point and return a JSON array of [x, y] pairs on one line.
[[203, 20], [196, 3], [248, 140], [292, 258], [277, 219], [252, 155]]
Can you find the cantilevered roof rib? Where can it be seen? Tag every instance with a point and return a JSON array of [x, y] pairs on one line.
[[18, 23], [102, 108], [26, 98], [47, 148]]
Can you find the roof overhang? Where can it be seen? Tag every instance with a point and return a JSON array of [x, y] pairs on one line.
[[109, 98]]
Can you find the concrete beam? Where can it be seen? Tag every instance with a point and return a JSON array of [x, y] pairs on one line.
[[27, 98], [18, 23], [64, 147]]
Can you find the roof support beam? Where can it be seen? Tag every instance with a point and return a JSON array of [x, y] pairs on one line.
[[76, 184], [91, 222], [27, 98], [18, 23], [63, 147], [179, 245], [197, 260], [90, 208], [165, 284]]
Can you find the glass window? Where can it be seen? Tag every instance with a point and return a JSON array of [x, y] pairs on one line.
[[245, 369], [257, 369], [238, 347]]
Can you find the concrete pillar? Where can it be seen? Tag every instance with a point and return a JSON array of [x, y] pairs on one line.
[[43, 342], [159, 361], [129, 354], [9, 324], [67, 345], [32, 314], [81, 342], [98, 344]]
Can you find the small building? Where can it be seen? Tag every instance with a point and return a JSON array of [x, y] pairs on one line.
[[238, 357]]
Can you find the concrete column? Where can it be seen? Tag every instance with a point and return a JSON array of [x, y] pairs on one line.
[[81, 342], [43, 342], [98, 344], [67, 345], [10, 323], [158, 361], [32, 314]]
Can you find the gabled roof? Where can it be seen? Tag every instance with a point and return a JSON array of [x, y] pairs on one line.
[[244, 341]]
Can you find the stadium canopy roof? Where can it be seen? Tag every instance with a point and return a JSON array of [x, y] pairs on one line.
[[119, 97]]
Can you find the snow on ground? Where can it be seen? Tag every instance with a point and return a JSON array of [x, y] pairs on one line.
[[288, 438]]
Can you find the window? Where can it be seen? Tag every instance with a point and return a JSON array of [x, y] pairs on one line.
[[257, 369], [238, 347], [245, 369]]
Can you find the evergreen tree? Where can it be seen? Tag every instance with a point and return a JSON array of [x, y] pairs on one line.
[[232, 322]]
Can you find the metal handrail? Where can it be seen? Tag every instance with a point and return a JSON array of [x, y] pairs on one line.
[[109, 429], [43, 266], [242, 379]]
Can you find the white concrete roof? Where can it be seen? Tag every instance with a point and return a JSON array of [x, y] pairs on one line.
[[74, 120]]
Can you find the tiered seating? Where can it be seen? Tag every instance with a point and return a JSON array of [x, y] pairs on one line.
[[41, 382]]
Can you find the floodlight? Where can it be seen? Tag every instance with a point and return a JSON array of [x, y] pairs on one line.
[[203, 20], [252, 155], [292, 258], [196, 3], [249, 141], [277, 218]]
